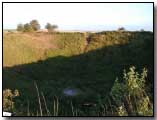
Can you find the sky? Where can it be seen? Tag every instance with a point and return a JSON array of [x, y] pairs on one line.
[[81, 16]]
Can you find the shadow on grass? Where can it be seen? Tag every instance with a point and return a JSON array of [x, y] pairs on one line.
[[92, 73]]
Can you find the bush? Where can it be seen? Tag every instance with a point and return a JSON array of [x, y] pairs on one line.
[[35, 25], [121, 29], [51, 28], [20, 27], [8, 97], [130, 95], [28, 28]]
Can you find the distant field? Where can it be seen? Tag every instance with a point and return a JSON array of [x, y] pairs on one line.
[[88, 62]]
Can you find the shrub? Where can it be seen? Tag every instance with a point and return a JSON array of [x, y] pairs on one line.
[[50, 27], [8, 97], [131, 95], [20, 27], [28, 28], [121, 29], [35, 25]]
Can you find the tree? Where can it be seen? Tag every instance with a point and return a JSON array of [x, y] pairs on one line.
[[54, 27], [28, 28], [35, 25], [50, 27], [20, 27], [142, 30], [121, 29]]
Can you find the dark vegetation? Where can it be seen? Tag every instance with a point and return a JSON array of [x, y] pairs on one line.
[[50, 27], [35, 26], [89, 62]]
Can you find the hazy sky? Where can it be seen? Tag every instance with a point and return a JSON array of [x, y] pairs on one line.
[[81, 16]]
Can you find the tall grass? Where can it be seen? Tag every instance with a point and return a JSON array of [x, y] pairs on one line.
[[132, 91], [41, 113]]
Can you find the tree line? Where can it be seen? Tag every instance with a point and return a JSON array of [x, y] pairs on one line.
[[34, 25]]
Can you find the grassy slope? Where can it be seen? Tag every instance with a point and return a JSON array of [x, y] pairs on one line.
[[67, 64], [23, 48]]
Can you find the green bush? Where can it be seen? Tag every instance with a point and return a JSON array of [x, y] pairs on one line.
[[35, 25], [28, 28], [20, 27], [131, 96]]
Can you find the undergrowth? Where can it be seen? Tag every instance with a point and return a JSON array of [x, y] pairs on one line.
[[127, 98]]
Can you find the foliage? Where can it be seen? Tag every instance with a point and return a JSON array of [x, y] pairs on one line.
[[8, 99], [50, 27], [121, 29], [20, 27], [142, 30], [28, 28], [35, 25], [131, 92], [122, 111]]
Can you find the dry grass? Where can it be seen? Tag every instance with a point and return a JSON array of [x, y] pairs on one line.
[[42, 41]]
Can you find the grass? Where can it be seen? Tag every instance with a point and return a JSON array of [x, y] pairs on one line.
[[67, 61], [17, 50]]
